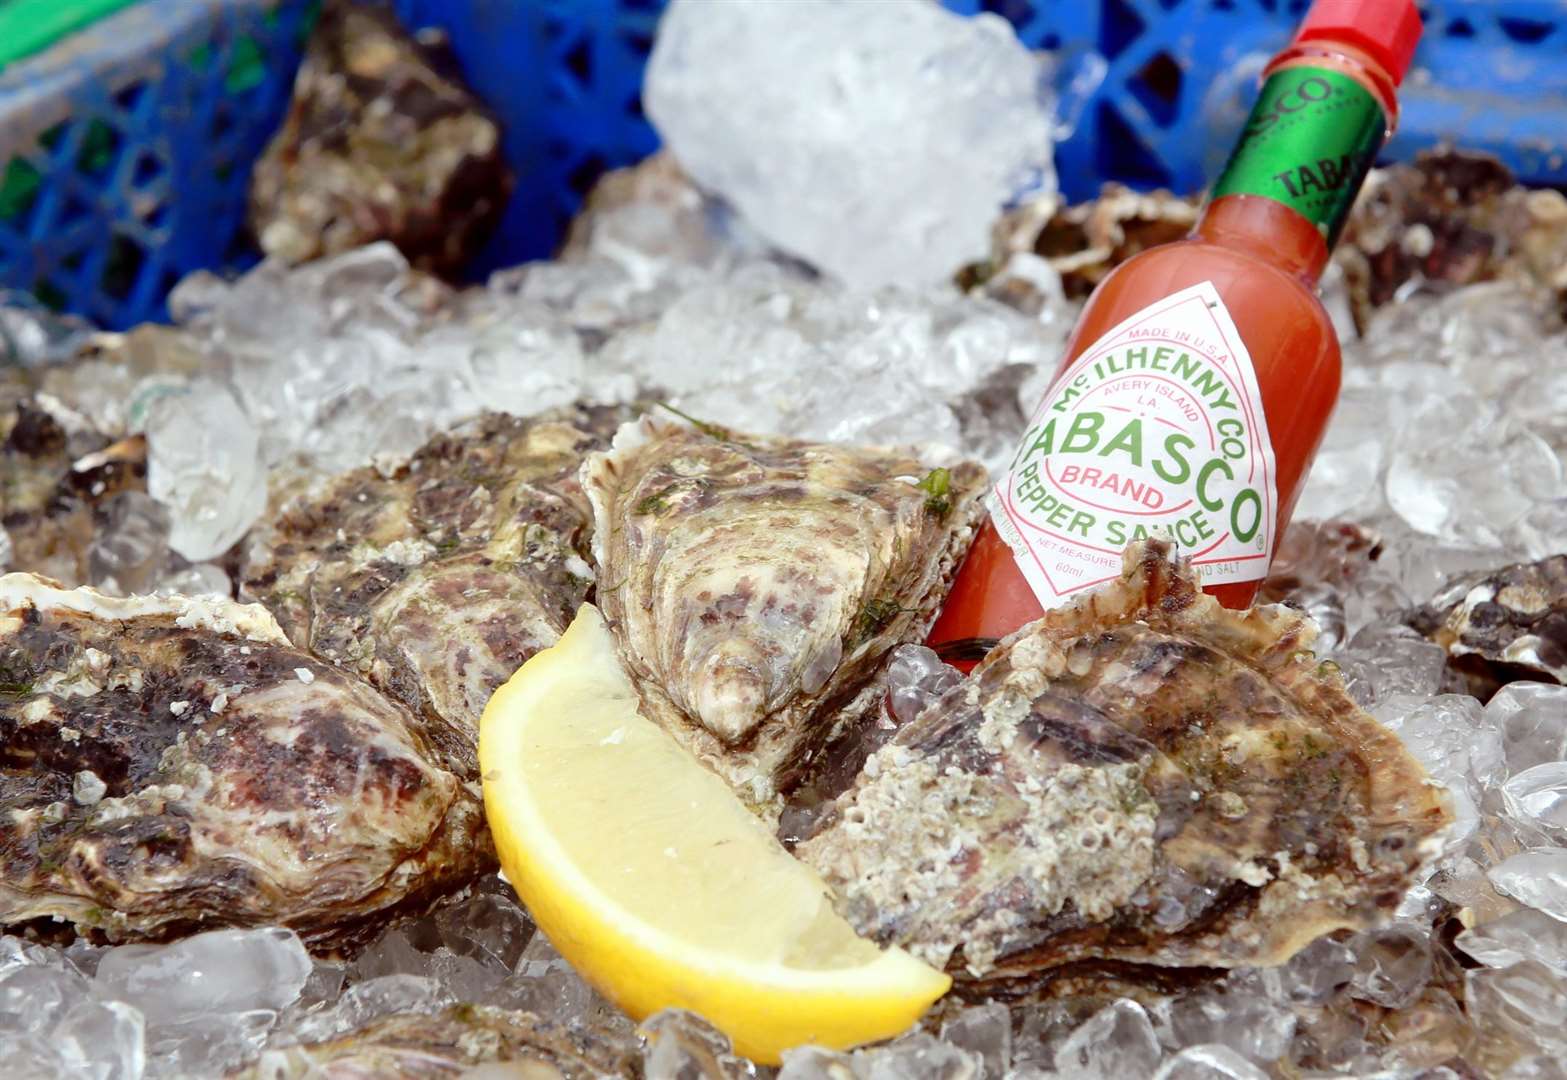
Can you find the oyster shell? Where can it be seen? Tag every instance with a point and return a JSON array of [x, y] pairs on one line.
[[1454, 217], [1143, 777], [381, 142], [437, 581], [57, 482], [446, 1044], [1502, 625], [172, 764], [756, 584]]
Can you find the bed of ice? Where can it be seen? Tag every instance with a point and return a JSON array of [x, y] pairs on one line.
[[1447, 445]]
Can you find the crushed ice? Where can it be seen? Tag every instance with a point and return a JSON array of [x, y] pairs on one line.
[[1446, 445]]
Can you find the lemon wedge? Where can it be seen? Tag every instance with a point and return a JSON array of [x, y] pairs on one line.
[[656, 883]]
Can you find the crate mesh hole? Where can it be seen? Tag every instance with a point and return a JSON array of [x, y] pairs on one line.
[[1460, 28], [129, 98], [1157, 85], [586, 173], [19, 185], [639, 42], [100, 149], [49, 294], [147, 170], [122, 267], [222, 123], [1124, 155], [579, 61], [1119, 27], [1016, 12], [1525, 31], [73, 211]]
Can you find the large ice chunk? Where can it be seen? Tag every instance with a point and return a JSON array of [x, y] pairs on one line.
[[203, 466], [876, 141]]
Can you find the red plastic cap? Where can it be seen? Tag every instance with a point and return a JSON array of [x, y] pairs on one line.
[[1387, 29]]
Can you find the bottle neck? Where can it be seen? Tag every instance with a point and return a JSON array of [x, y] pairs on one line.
[[1324, 112]]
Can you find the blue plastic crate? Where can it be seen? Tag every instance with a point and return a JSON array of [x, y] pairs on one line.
[[564, 76], [126, 149]]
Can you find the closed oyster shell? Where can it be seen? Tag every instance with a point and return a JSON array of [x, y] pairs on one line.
[[756, 584], [437, 581], [1502, 625], [1143, 776], [446, 1044], [169, 764]]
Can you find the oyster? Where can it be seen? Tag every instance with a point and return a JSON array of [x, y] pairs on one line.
[[756, 584], [1452, 216], [172, 764], [1502, 625], [59, 480], [381, 142], [446, 1044], [437, 581], [1142, 777]]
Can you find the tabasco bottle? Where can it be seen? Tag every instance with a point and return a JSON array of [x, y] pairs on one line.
[[1199, 380]]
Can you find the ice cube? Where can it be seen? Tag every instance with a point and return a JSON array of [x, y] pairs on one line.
[[1344, 477], [1209, 1063], [683, 1046], [197, 579], [1465, 471], [544, 983], [29, 1057], [816, 1063], [371, 1000], [1538, 796], [33, 997], [876, 141], [417, 948], [916, 676], [1316, 975], [1526, 1004], [102, 1040], [1533, 720], [202, 465], [1241, 1018], [1117, 1041], [1393, 965], [1399, 660], [766, 353], [917, 1057], [208, 1045], [1536, 878], [985, 1030], [1521, 935], [488, 926], [131, 544], [1451, 736], [220, 971]]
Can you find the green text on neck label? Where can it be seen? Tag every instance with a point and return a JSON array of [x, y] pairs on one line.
[[1309, 142]]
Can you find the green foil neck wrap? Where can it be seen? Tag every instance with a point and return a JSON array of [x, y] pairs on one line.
[[1309, 142]]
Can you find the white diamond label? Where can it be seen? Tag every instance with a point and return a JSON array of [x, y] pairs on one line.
[[1156, 429]]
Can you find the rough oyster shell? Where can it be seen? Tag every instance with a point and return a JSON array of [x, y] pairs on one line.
[[437, 581], [1143, 776], [1503, 625], [756, 584], [381, 142], [170, 764], [445, 1044]]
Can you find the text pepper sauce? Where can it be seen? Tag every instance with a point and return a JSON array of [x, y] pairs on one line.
[[1201, 375]]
